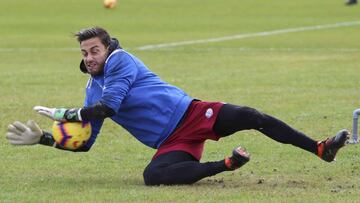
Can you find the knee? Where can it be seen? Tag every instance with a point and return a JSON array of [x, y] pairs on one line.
[[152, 175], [254, 118]]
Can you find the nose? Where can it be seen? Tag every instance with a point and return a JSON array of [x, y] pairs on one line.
[[89, 57]]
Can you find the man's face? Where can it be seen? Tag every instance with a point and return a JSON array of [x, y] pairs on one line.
[[94, 55]]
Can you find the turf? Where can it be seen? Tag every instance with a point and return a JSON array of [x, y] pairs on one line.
[[308, 79]]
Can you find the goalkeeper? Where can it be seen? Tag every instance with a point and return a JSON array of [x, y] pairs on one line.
[[161, 116]]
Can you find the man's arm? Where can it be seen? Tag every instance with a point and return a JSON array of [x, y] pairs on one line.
[[98, 111]]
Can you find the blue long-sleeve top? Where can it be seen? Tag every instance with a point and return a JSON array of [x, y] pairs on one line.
[[147, 107]]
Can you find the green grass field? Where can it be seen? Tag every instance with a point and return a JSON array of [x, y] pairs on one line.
[[309, 79]]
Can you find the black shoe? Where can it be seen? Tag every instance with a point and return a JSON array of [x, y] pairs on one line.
[[351, 2], [239, 158], [328, 148]]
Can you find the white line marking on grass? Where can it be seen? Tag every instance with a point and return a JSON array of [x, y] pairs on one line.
[[200, 41], [249, 35], [248, 50], [270, 49]]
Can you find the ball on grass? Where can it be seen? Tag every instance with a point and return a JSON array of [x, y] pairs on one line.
[[110, 4]]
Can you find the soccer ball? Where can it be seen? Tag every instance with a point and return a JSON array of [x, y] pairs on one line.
[[71, 135], [110, 3]]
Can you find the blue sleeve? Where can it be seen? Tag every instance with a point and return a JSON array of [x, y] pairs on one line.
[[120, 73]]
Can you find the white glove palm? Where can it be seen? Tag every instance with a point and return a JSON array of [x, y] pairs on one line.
[[21, 134]]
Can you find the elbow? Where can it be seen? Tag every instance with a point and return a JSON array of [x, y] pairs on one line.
[[98, 111]]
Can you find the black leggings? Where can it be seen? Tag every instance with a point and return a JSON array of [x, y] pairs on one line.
[[179, 167], [233, 118]]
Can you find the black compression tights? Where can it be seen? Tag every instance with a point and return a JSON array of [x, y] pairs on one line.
[[178, 167], [236, 118]]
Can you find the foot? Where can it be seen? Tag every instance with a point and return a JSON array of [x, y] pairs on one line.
[[239, 158], [328, 148], [351, 2]]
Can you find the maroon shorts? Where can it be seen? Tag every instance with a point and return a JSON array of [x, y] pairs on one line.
[[194, 129]]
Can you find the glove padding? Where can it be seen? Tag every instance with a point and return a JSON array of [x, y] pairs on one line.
[[21, 134], [61, 114]]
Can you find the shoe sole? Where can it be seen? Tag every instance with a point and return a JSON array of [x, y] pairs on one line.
[[241, 155], [341, 138]]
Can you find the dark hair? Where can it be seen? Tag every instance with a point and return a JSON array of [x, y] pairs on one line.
[[92, 32]]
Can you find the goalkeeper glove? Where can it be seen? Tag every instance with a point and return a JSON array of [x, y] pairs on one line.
[[21, 134], [61, 114]]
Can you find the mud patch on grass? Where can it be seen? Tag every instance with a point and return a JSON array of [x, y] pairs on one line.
[[297, 184]]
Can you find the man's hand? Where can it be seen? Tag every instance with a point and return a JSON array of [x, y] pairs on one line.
[[21, 134], [61, 115]]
